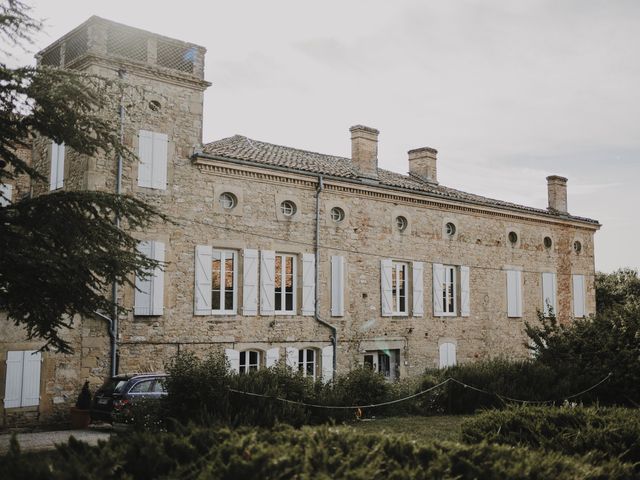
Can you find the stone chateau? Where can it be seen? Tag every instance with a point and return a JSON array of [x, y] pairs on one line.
[[284, 255]]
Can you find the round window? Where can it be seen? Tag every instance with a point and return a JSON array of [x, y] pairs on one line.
[[577, 246], [401, 223], [337, 214], [513, 238], [548, 242], [154, 105], [450, 229], [228, 200], [288, 208]]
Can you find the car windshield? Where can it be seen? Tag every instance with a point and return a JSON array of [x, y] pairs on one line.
[[113, 385]]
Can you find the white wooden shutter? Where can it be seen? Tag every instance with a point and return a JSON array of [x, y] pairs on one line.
[[31, 379], [308, 284], [465, 300], [145, 158], [447, 355], [233, 357], [60, 166], [514, 293], [327, 363], [202, 291], [250, 282], [13, 383], [149, 292], [438, 285], [337, 286], [157, 304], [578, 296], [291, 358], [418, 288], [57, 166], [386, 290], [6, 194], [159, 165], [549, 293], [267, 281], [273, 355]]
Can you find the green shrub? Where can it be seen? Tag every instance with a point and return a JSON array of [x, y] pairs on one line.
[[602, 433], [308, 453]]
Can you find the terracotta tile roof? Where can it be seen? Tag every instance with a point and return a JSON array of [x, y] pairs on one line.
[[239, 147]]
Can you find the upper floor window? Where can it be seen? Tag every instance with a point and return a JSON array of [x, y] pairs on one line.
[[288, 208], [402, 223], [57, 166], [450, 229], [223, 281], [577, 246], [449, 290], [307, 362], [152, 156], [399, 288], [337, 214], [228, 201], [451, 293], [285, 283], [249, 361]]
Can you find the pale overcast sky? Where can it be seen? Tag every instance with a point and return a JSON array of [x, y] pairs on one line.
[[507, 91]]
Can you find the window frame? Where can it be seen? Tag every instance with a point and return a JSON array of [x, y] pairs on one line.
[[304, 363], [396, 268], [294, 277], [453, 270], [222, 290], [247, 365]]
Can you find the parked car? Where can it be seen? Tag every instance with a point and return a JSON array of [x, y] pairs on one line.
[[119, 392]]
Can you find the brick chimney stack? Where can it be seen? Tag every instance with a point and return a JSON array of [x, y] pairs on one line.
[[422, 164], [557, 187], [364, 150]]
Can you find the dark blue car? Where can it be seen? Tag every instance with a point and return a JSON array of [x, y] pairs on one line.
[[119, 392]]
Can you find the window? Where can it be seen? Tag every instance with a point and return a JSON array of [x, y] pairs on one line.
[[142, 387], [450, 229], [223, 281], [249, 361], [402, 223], [513, 238], [22, 386], [451, 293], [447, 354], [385, 362], [228, 201], [577, 247], [547, 242], [285, 283], [578, 296], [399, 303], [152, 155], [337, 214], [307, 362], [288, 208], [57, 166]]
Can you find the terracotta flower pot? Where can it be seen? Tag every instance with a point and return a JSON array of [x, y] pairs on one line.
[[80, 419]]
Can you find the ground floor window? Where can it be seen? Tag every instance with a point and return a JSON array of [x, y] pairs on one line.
[[386, 362], [307, 362], [22, 385], [249, 361]]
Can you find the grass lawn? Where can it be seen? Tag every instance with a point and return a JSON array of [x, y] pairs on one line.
[[446, 427]]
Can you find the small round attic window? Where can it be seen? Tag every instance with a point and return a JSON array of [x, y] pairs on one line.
[[450, 229], [513, 238], [337, 214], [577, 246], [402, 223], [288, 208], [228, 200], [547, 242], [155, 106]]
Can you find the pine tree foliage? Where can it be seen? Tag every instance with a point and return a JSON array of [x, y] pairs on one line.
[[59, 252]]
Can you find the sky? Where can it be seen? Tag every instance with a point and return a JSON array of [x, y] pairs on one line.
[[507, 92]]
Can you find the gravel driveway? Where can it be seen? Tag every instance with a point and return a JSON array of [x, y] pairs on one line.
[[33, 442]]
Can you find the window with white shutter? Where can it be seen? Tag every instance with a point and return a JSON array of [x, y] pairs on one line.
[[267, 281], [285, 284], [6, 194], [233, 357], [273, 355], [451, 291], [22, 384], [418, 288], [447, 354], [337, 286], [399, 288], [250, 282], [152, 156], [386, 290], [291, 358], [250, 361], [549, 293], [514, 293], [308, 284], [57, 166], [202, 292], [578, 296], [149, 290], [223, 281], [308, 362]]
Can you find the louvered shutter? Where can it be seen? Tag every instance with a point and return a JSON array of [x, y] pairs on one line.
[[273, 355], [386, 290], [233, 357], [549, 293], [327, 363], [6, 194], [31, 379], [308, 284], [267, 281], [250, 282], [514, 293], [159, 165], [578, 296], [145, 158], [13, 383], [143, 296], [438, 285], [418, 288], [202, 292], [337, 286], [291, 358], [465, 295]]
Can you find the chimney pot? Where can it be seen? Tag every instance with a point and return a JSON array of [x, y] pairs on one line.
[[423, 164], [364, 150], [557, 187]]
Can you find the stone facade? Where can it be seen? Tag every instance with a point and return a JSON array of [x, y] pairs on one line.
[[260, 177]]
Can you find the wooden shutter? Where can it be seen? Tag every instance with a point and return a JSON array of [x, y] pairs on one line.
[[60, 166], [578, 296], [6, 194], [465, 300], [159, 165], [202, 292], [145, 158], [549, 293], [327, 363], [386, 290], [337, 286], [149, 292], [157, 303], [13, 383], [418, 288], [308, 284], [250, 282], [31, 379], [438, 285], [233, 357], [447, 354], [273, 355], [267, 281], [291, 358], [514, 293], [57, 166]]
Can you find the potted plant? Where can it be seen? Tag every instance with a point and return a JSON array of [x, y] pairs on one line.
[[80, 416]]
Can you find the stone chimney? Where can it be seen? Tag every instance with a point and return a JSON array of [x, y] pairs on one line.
[[364, 150], [557, 193], [422, 164]]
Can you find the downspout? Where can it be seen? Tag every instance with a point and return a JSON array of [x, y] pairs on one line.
[[334, 330]]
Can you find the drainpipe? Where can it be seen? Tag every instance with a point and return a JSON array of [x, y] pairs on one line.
[[334, 330]]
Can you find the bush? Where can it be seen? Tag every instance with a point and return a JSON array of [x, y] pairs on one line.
[[308, 453], [602, 433]]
